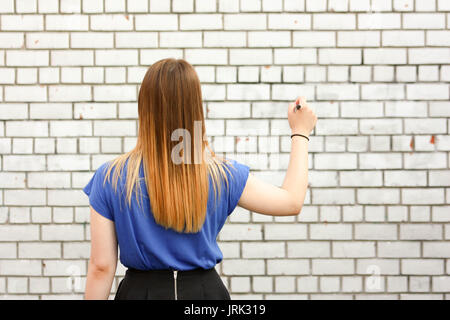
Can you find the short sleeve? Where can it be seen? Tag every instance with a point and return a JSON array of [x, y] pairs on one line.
[[97, 193], [240, 173]]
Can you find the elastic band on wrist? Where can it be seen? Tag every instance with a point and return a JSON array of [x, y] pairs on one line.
[[298, 134]]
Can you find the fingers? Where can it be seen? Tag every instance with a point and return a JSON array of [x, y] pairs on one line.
[[301, 100], [291, 108]]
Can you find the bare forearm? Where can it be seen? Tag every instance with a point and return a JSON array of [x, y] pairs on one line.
[[296, 179], [98, 283]]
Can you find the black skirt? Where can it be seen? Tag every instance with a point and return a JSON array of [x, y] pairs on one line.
[[196, 284]]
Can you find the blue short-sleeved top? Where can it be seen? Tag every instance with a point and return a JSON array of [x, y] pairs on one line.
[[146, 245]]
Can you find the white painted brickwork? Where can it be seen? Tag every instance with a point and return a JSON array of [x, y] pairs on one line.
[[376, 220]]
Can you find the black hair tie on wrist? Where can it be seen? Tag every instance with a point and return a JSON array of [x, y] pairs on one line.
[[297, 134]]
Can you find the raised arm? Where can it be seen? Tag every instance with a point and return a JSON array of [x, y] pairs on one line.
[[265, 198]]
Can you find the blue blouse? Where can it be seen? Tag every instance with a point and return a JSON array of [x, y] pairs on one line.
[[146, 245]]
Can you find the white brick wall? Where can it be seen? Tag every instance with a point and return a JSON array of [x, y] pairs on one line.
[[376, 218]]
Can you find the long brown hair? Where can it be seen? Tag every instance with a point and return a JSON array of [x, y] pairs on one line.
[[170, 98]]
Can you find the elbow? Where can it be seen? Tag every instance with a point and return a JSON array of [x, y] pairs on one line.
[[296, 208], [101, 269]]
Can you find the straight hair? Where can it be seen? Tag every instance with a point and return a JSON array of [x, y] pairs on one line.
[[170, 98]]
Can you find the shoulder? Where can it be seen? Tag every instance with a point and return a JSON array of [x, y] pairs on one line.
[[237, 167], [101, 174]]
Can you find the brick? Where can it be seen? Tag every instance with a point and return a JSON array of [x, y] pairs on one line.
[[248, 21], [27, 58], [156, 22], [136, 40], [70, 22], [428, 55], [287, 266], [108, 128], [344, 249], [7, 6], [427, 91], [269, 38], [63, 93], [439, 178], [420, 232], [224, 39], [332, 266], [72, 58], [48, 40], [160, 6], [376, 267], [64, 268], [50, 111], [263, 250], [200, 21], [323, 178], [284, 232], [360, 178], [111, 22], [110, 93], [314, 39], [335, 161], [241, 232], [48, 180], [68, 162], [308, 249], [62, 233], [39, 250], [27, 128], [404, 38], [422, 266], [358, 39], [440, 213], [22, 22], [92, 39], [423, 21], [19, 233], [7, 75], [378, 195], [443, 5], [385, 56], [9, 40], [20, 267], [70, 128], [207, 56], [435, 249], [333, 196], [395, 178], [379, 20], [334, 21], [425, 160], [12, 180], [406, 109], [23, 163], [331, 232], [425, 126], [8, 251], [243, 267], [340, 56], [380, 160], [375, 231], [399, 249], [285, 21], [441, 284], [66, 197], [116, 57], [382, 91], [381, 5]]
